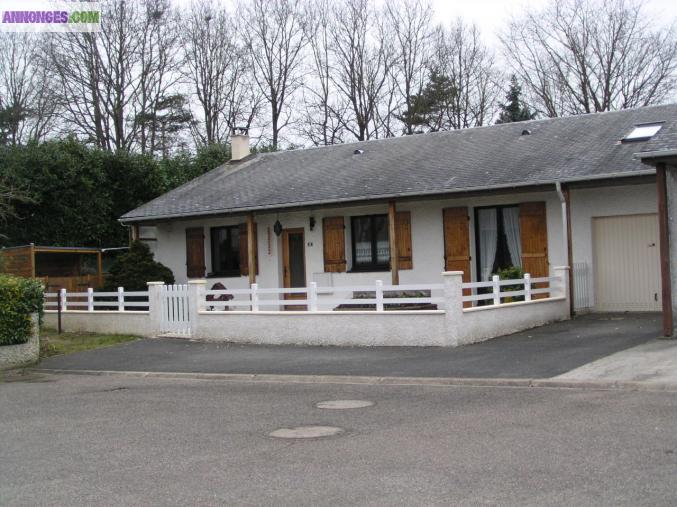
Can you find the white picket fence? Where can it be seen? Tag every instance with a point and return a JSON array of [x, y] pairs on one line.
[[497, 294], [118, 301], [376, 314], [257, 299], [174, 303], [174, 310]]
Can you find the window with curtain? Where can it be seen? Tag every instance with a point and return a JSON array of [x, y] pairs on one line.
[[370, 243], [225, 251], [498, 242]]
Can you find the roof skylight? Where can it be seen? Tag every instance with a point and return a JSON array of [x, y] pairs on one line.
[[643, 132]]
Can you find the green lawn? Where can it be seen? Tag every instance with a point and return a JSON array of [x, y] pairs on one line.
[[52, 343]]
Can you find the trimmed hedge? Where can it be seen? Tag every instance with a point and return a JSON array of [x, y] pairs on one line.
[[19, 299]]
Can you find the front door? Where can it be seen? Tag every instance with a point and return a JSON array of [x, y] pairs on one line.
[[294, 263], [195, 252], [457, 244]]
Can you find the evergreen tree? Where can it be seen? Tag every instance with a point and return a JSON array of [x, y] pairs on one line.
[[10, 119], [430, 109], [133, 269], [514, 109]]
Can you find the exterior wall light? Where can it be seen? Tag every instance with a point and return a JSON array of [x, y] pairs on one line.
[[277, 228]]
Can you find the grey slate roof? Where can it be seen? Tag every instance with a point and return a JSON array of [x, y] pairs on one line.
[[561, 149], [662, 144]]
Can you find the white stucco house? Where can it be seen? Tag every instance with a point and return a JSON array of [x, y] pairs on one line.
[[538, 194]]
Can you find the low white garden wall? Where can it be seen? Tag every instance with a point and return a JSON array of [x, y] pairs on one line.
[[107, 322], [187, 311], [23, 354], [396, 328], [485, 322]]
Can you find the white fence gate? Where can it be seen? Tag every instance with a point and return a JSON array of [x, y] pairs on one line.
[[174, 303]]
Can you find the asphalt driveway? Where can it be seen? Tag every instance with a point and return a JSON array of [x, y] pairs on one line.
[[543, 352]]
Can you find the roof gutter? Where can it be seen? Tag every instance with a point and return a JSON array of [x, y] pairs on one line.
[[655, 154]]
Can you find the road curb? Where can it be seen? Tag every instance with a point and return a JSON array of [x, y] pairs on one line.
[[552, 383]]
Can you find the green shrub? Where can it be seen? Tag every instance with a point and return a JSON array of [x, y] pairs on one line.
[[19, 299], [133, 269], [511, 273]]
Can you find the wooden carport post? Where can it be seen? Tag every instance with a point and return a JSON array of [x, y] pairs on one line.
[[99, 268], [251, 260], [663, 226], [32, 254], [392, 231]]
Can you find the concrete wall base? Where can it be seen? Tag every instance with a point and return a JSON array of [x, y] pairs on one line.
[[423, 329], [24, 354], [485, 322]]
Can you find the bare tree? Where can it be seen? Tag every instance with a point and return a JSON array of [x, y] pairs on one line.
[[363, 58], [583, 56], [10, 195], [387, 121], [469, 67], [7, 195], [117, 84], [117, 49], [275, 37], [323, 108], [217, 72], [409, 25], [99, 77], [27, 103], [160, 110]]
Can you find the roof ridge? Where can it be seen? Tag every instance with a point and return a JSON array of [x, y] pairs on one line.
[[573, 117]]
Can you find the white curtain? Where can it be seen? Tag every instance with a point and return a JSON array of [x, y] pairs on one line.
[[488, 239], [511, 225]]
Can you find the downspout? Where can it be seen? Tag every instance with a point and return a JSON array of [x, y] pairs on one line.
[[563, 199]]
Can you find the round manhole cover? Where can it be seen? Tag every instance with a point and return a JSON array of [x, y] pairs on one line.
[[344, 404], [307, 432]]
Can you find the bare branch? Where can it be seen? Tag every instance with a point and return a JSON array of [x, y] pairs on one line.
[[584, 56]]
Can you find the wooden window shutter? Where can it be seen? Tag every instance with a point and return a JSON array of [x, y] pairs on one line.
[[195, 252], [534, 239], [403, 235], [244, 263], [457, 244], [334, 244]]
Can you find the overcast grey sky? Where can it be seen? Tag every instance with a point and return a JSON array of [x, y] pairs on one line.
[[491, 15]]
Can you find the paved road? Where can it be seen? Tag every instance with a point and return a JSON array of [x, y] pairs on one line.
[[83, 440], [539, 353]]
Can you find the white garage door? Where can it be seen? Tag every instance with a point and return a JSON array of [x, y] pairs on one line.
[[626, 263]]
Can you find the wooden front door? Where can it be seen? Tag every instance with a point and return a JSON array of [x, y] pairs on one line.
[[195, 252], [457, 244], [294, 263], [534, 239]]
